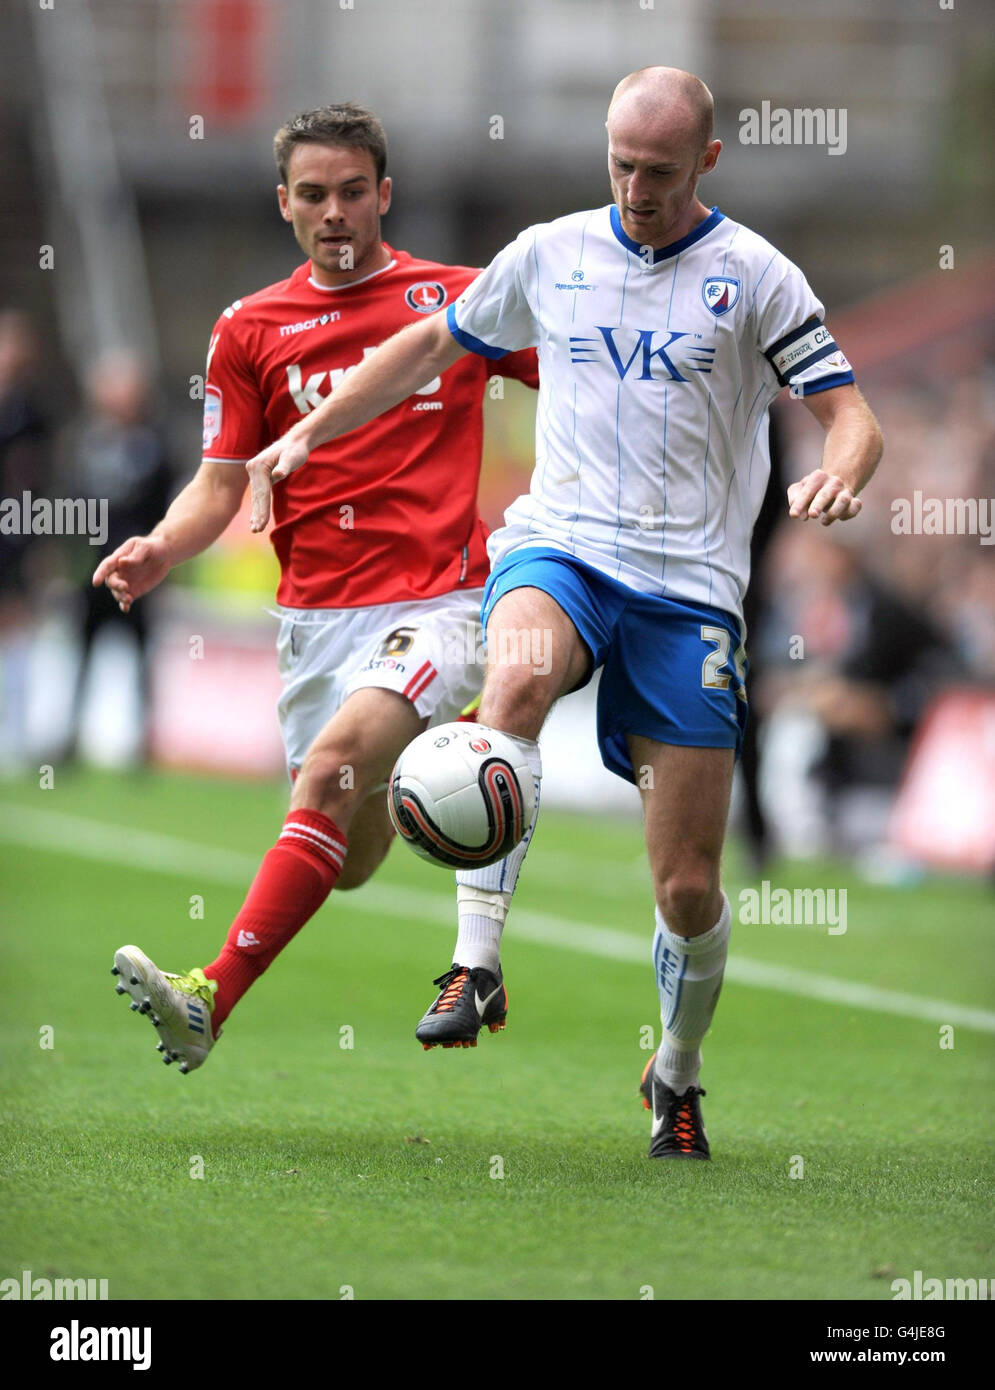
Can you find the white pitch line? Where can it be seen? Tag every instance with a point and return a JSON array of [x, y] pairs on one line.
[[61, 833]]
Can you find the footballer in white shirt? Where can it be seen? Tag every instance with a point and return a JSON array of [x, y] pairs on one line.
[[664, 331]]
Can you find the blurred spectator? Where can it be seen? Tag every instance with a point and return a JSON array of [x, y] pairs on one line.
[[940, 441], [850, 668], [25, 466], [119, 452], [970, 612], [886, 617]]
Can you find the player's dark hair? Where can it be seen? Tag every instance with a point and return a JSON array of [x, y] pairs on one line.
[[342, 124]]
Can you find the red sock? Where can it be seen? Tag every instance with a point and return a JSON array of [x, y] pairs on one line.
[[294, 879]]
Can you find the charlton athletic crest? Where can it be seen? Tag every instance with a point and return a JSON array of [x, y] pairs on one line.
[[720, 293], [425, 297]]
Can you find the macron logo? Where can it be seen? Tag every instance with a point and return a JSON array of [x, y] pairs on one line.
[[287, 330], [248, 938]]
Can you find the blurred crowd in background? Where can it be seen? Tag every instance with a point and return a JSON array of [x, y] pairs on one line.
[[854, 631]]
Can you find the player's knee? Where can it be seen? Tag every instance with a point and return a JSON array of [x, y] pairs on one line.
[[331, 774], [514, 700], [687, 891]]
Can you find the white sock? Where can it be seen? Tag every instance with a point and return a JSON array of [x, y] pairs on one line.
[[689, 977], [483, 896]]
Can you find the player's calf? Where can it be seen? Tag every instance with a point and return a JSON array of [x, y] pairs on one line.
[[370, 837]]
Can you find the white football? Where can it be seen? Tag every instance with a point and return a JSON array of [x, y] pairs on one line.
[[462, 795]]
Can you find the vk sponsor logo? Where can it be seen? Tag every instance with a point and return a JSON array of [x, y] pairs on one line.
[[645, 352]]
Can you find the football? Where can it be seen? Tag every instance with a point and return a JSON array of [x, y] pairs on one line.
[[461, 795]]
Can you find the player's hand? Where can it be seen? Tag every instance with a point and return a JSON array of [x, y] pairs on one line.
[[271, 466], [133, 569], [823, 495]]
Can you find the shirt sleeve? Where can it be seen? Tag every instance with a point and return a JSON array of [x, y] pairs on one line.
[[493, 315], [234, 412], [799, 348]]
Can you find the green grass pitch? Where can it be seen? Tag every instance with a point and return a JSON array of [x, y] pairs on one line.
[[517, 1170]]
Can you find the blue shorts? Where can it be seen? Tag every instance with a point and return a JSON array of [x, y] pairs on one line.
[[673, 671]]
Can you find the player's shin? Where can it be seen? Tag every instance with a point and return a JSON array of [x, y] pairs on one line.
[[689, 978], [483, 896], [294, 879]]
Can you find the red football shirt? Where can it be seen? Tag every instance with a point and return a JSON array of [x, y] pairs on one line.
[[387, 512]]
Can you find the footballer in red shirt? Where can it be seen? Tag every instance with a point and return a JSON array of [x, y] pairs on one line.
[[381, 551]]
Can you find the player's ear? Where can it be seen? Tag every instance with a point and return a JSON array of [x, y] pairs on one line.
[[384, 196], [709, 156], [284, 200]]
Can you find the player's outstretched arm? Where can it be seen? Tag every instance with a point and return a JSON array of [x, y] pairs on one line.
[[195, 520], [852, 450], [388, 376]]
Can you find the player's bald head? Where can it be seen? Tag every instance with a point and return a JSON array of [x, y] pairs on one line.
[[664, 102]]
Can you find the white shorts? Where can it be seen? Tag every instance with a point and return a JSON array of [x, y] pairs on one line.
[[429, 650]]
